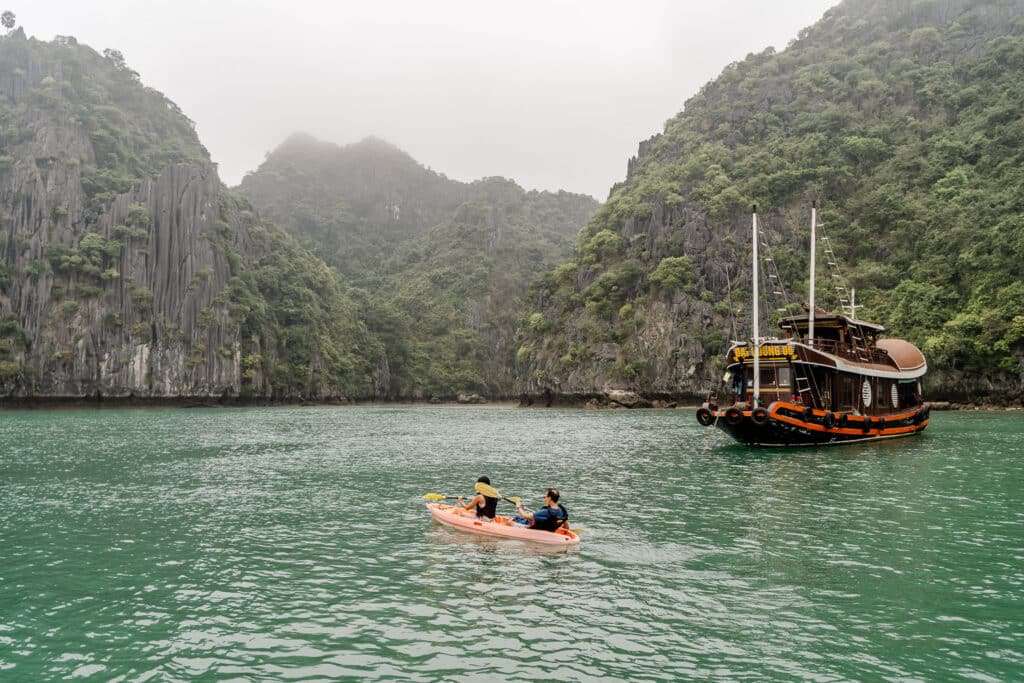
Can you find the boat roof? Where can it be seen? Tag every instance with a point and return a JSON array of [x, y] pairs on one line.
[[822, 319], [903, 353]]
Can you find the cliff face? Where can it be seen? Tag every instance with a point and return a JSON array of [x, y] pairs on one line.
[[901, 119], [126, 268], [148, 325], [111, 298], [599, 328]]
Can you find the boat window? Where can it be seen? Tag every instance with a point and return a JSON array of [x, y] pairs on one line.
[[783, 376], [848, 397], [767, 376], [907, 394]]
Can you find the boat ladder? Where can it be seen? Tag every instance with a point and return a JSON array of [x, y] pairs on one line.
[[859, 347], [804, 385]]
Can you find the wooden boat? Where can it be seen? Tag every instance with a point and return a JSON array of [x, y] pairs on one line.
[[829, 378]]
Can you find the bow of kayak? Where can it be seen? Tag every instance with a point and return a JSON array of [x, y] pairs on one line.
[[504, 527]]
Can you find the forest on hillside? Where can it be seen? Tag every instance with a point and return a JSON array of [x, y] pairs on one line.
[[901, 120], [440, 268]]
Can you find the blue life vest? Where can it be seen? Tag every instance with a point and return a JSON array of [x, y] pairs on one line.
[[547, 519]]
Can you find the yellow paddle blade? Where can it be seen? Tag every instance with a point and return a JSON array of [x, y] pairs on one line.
[[435, 496], [486, 490]]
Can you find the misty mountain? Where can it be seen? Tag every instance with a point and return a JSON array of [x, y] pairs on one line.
[[126, 267], [440, 267], [902, 120]]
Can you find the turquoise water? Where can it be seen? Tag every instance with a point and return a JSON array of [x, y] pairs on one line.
[[292, 544]]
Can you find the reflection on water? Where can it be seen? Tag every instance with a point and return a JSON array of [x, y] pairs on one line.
[[272, 544]]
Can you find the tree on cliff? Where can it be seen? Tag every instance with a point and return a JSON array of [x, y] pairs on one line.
[[117, 57], [7, 19]]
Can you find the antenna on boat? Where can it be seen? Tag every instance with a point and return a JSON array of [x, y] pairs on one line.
[[810, 313], [757, 341]]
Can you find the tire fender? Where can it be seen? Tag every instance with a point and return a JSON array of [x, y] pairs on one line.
[[704, 417]]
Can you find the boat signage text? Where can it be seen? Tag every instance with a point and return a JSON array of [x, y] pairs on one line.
[[767, 352]]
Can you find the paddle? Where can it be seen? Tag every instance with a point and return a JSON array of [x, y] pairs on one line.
[[515, 500], [438, 496], [491, 492]]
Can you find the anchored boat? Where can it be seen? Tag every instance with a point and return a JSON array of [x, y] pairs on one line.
[[828, 378]]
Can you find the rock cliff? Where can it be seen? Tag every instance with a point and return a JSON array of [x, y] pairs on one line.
[[126, 268]]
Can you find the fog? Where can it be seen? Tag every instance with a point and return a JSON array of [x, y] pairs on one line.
[[555, 95]]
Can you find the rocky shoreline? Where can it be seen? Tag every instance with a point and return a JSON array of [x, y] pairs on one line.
[[614, 399]]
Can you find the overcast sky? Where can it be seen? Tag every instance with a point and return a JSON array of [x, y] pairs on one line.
[[553, 94]]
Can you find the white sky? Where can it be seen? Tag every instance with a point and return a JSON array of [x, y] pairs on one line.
[[555, 94]]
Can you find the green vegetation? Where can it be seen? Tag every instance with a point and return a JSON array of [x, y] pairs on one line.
[[297, 325], [673, 273], [135, 132], [12, 340], [438, 269], [300, 334], [902, 121]]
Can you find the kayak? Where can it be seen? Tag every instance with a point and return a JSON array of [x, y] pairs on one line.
[[457, 518]]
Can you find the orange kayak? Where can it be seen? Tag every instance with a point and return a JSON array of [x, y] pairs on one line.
[[457, 518]]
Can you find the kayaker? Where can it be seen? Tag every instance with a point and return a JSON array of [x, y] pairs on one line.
[[551, 517], [485, 507]]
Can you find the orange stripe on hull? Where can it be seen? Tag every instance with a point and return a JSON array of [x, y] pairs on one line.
[[854, 429]]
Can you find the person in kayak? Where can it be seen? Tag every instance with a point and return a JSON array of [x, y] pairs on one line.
[[551, 517], [485, 507]]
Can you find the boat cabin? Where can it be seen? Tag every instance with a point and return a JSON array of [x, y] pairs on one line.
[[845, 368], [839, 335]]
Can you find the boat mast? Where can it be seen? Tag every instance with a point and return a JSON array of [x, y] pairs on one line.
[[757, 341], [810, 318]]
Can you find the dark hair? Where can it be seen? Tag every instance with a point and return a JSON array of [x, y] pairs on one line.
[[552, 494], [483, 480]]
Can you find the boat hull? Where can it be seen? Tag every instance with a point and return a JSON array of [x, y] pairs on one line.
[[501, 527], [785, 424]]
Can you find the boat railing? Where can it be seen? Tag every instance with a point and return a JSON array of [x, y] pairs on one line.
[[860, 355]]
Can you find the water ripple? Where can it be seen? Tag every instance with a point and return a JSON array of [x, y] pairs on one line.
[[293, 544]]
